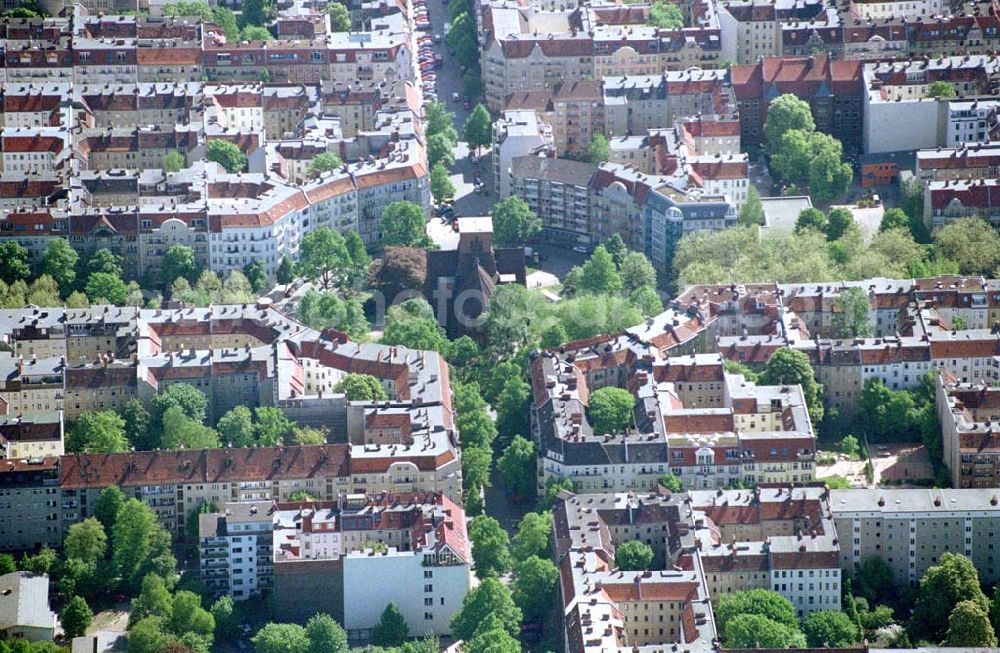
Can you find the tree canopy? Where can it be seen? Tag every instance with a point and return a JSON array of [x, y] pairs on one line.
[[514, 222], [829, 629], [610, 409], [944, 585], [490, 598], [633, 555], [226, 154], [391, 629], [404, 223], [666, 15], [490, 547], [535, 587], [478, 131], [361, 387], [787, 112]]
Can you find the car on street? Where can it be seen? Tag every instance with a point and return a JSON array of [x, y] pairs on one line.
[[437, 38]]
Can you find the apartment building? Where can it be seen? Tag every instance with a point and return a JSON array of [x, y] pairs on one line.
[[30, 505], [971, 445], [533, 48], [31, 435], [832, 88], [776, 537], [517, 134], [235, 549], [376, 549], [581, 204], [910, 529], [706, 427], [895, 93], [102, 357]]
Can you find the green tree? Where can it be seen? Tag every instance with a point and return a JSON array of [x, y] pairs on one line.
[[179, 262], [180, 431], [103, 287], [188, 616], [104, 260], [940, 89], [440, 150], [972, 243], [791, 367], [403, 328], [321, 310], [616, 247], [829, 629], [811, 219], [281, 638], [98, 432], [611, 409], [599, 274], [226, 20], [326, 161], [944, 585], [325, 635], [517, 467], [188, 8], [340, 18], [756, 631], [784, 113], [969, 625], [671, 482], [888, 415], [76, 617], [257, 12], [236, 427], [227, 623], [173, 161], [894, 219], [148, 636], [86, 541], [554, 336], [137, 425], [391, 629], [752, 211], [514, 222], [323, 257], [478, 131], [271, 426], [760, 602], [256, 275], [190, 399], [472, 85], [439, 121], [256, 33], [441, 187], [851, 314], [666, 15], [361, 387], [633, 555], [286, 271], [599, 149], [492, 640], [404, 223], [7, 564], [59, 262], [829, 176], [512, 408], [490, 547], [139, 544], [533, 537], [476, 463], [109, 502], [488, 599], [535, 587], [226, 154], [13, 262], [849, 445], [838, 221], [637, 272]]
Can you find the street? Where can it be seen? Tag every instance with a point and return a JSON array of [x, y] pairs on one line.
[[463, 173]]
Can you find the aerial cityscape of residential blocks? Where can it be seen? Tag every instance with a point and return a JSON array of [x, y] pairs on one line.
[[496, 326]]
